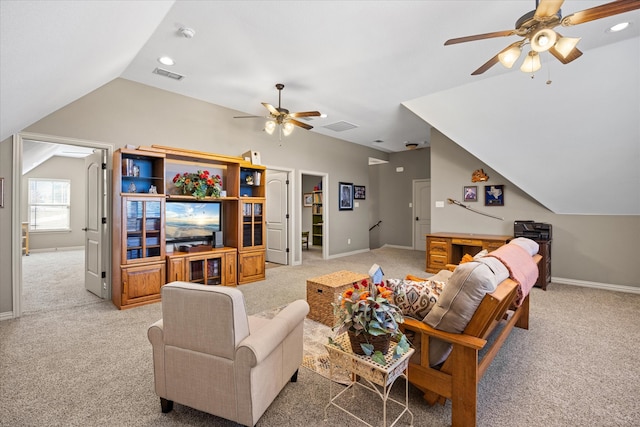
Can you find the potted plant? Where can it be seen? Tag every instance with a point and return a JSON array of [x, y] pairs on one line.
[[200, 184], [366, 312]]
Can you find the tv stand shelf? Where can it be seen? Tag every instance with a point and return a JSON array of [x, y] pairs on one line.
[[212, 267]]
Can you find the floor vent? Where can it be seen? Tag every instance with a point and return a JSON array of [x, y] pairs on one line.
[[167, 73], [340, 126]]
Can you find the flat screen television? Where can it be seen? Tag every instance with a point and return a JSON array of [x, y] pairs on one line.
[[192, 221]]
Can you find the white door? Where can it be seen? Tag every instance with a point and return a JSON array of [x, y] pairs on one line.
[[277, 214], [94, 228], [421, 213]]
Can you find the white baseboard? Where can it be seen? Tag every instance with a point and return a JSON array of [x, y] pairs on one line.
[[6, 316], [67, 248], [398, 247], [343, 254], [596, 285]]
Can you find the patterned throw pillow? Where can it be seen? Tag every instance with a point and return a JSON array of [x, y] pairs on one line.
[[415, 299]]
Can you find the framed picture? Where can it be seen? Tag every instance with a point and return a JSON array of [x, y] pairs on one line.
[[345, 196], [307, 199], [359, 192], [470, 193], [494, 195]]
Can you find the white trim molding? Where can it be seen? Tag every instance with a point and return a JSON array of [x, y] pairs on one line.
[[596, 285]]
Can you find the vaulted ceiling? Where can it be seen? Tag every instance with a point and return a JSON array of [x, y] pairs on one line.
[[573, 145]]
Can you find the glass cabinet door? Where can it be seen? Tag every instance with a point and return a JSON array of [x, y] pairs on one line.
[[252, 224], [143, 229]]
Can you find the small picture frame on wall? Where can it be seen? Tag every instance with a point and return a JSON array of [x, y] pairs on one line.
[[307, 200], [345, 196], [494, 195], [359, 192], [470, 193]]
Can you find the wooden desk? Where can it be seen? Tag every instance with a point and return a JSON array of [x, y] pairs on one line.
[[449, 248]]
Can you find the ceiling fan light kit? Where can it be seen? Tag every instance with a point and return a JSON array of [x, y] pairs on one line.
[[531, 63], [543, 40], [537, 28], [510, 56], [565, 45]]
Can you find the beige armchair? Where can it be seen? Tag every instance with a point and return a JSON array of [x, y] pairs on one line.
[[209, 355]]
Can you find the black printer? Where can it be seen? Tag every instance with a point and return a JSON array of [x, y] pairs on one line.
[[532, 230]]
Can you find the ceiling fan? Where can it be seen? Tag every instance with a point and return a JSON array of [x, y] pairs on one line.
[[537, 28], [281, 116]]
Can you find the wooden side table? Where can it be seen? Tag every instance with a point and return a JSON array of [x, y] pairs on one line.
[[379, 378]]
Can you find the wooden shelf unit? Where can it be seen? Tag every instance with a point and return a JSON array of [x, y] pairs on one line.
[[242, 260], [317, 218]]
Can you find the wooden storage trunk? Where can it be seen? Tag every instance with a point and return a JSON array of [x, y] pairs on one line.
[[323, 290]]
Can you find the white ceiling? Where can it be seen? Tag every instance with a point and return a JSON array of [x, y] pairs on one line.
[[362, 62]]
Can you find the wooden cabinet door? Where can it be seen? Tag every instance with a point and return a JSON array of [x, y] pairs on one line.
[[251, 266], [142, 283], [230, 269], [175, 269]]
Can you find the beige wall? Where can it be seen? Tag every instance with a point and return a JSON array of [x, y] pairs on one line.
[[589, 248]]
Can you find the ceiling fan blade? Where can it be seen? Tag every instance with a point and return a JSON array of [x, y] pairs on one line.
[[271, 109], [305, 114], [484, 67], [547, 9], [573, 55], [602, 11], [480, 37], [300, 124], [248, 117]]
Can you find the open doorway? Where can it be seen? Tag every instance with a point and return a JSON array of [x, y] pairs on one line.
[[314, 217], [53, 272]]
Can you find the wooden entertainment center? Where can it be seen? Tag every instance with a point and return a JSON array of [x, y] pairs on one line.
[[141, 264]]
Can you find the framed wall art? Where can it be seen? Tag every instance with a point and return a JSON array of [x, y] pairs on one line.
[[307, 199], [470, 193], [359, 192], [345, 196], [494, 195]]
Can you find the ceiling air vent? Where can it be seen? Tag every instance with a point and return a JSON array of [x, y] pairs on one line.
[[340, 126], [167, 73]]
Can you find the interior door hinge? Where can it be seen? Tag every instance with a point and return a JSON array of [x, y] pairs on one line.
[[104, 275], [287, 250], [286, 181], [286, 216], [104, 166], [104, 219]]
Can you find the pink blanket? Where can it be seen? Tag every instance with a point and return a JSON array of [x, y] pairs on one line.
[[522, 268]]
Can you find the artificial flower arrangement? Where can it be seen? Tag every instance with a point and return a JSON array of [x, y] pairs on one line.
[[200, 184], [367, 310]]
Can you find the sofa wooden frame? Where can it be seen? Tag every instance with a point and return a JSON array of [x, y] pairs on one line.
[[458, 377]]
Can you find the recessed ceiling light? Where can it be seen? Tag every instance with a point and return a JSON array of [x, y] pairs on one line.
[[165, 60], [618, 27]]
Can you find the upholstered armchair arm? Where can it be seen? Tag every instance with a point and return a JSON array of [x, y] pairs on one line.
[[257, 346], [155, 333]]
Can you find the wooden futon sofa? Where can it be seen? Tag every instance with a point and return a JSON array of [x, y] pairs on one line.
[[456, 378]]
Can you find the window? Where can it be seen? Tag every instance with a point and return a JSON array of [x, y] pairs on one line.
[[49, 204]]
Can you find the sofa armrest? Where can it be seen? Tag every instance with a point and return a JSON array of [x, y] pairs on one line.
[[257, 346], [460, 339]]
